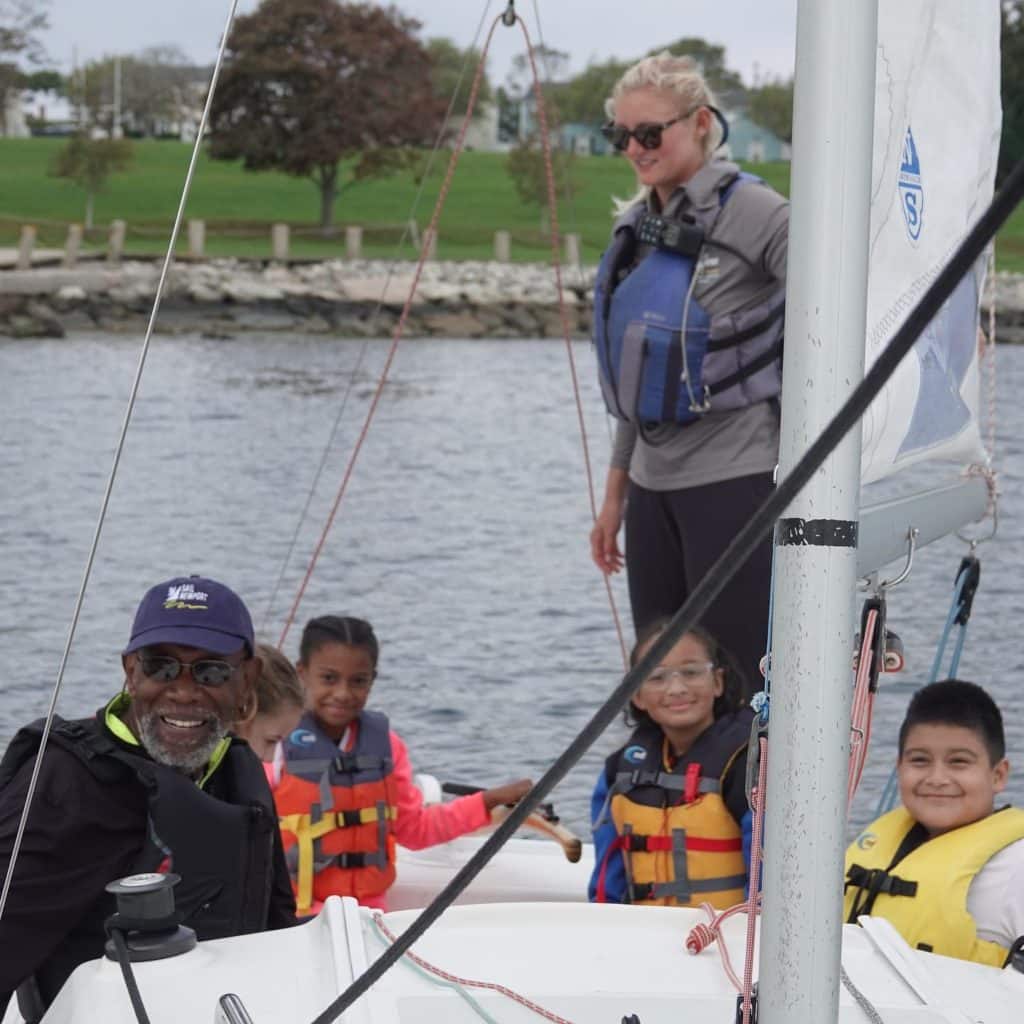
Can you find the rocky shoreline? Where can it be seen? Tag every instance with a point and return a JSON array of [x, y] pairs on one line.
[[230, 298]]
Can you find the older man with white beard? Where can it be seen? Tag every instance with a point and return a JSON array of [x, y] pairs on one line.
[[154, 782]]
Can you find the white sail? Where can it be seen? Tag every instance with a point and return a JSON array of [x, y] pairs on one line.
[[937, 125]]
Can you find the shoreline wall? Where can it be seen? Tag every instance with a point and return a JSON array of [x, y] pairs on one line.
[[357, 299]]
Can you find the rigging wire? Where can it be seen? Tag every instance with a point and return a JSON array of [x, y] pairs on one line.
[[364, 347], [508, 18], [740, 548], [566, 332], [428, 236], [108, 491]]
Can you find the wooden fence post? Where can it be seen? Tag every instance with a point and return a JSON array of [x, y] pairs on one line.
[[280, 239], [26, 244], [502, 246], [196, 238], [73, 245], [115, 245], [353, 242]]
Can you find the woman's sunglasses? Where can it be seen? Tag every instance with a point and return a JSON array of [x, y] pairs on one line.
[[648, 135], [206, 671]]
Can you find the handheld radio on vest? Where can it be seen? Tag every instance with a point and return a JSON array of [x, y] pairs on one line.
[[684, 237]]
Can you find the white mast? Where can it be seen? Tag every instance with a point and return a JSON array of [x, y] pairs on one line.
[[816, 556]]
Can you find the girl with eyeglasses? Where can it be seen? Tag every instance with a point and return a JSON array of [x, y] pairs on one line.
[[344, 789], [688, 319], [669, 812]]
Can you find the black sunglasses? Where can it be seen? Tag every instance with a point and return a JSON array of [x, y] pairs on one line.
[[648, 135], [206, 671]]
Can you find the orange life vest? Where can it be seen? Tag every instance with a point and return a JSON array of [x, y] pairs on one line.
[[335, 810], [680, 843]]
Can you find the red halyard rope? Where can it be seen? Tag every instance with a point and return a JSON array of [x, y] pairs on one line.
[[702, 935], [430, 233], [863, 703], [378, 920]]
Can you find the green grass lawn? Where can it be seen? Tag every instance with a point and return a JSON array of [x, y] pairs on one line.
[[239, 207]]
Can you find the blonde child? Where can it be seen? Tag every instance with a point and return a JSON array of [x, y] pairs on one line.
[[277, 707]]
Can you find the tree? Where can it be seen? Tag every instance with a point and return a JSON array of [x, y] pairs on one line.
[[89, 163], [525, 166], [453, 69], [582, 98], [727, 85], [21, 22], [771, 106], [1011, 148], [310, 86], [160, 87]]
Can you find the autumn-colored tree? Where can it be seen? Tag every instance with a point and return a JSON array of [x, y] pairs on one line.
[[525, 166], [89, 163], [311, 87]]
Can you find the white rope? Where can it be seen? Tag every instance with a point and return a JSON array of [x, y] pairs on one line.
[[117, 459]]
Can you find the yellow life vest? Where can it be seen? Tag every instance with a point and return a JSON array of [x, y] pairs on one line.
[[926, 899], [680, 843]]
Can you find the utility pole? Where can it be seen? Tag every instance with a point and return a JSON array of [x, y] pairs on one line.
[[115, 130]]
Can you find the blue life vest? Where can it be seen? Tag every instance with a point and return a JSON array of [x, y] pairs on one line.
[[647, 375]]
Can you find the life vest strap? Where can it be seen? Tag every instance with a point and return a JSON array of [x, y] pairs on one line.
[[307, 832], [672, 781], [719, 344], [763, 360], [636, 843], [683, 889]]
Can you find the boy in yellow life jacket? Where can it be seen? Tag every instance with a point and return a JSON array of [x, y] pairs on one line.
[[946, 868]]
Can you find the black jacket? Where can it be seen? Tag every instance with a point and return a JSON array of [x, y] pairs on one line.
[[102, 810]]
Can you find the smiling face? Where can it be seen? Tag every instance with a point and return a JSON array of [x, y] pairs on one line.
[[946, 776], [338, 679], [180, 722], [680, 694], [681, 153]]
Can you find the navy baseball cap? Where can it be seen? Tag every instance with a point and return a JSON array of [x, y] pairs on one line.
[[195, 612]]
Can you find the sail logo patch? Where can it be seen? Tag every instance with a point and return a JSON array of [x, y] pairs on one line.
[[911, 187], [635, 754], [185, 596]]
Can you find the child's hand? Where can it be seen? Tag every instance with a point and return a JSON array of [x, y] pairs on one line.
[[511, 793]]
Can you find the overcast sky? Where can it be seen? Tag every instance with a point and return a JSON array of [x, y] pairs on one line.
[[758, 34]]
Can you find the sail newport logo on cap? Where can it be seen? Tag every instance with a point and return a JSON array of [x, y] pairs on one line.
[[192, 611]]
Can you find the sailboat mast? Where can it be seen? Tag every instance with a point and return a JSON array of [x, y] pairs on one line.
[[816, 553]]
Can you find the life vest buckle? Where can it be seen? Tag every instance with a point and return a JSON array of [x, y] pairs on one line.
[[703, 406]]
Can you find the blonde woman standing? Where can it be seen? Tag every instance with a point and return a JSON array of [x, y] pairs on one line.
[[700, 254]]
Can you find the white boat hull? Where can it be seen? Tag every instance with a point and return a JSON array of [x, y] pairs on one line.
[[584, 962]]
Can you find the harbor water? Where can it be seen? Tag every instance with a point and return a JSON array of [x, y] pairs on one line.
[[463, 535]]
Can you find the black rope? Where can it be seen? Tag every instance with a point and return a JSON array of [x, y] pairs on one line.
[[737, 553], [121, 949]]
